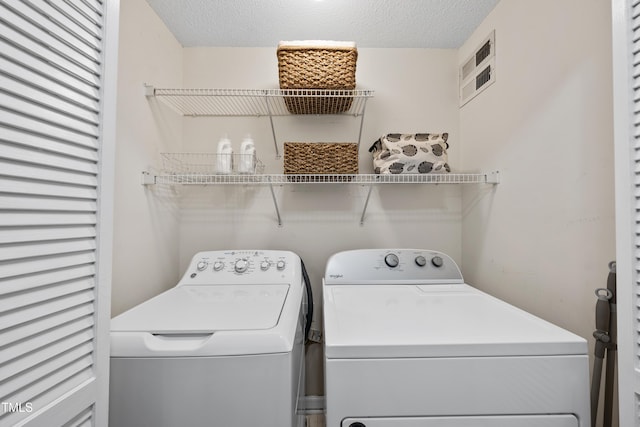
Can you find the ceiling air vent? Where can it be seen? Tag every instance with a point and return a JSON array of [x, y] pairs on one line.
[[478, 71]]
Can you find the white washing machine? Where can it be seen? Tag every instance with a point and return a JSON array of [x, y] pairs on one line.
[[409, 344], [223, 348]]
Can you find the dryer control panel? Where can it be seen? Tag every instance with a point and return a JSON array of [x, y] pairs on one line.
[[388, 266], [242, 266]]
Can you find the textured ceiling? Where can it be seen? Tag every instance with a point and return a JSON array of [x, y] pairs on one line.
[[370, 23]]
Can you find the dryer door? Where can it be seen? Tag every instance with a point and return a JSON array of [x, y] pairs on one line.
[[470, 421]]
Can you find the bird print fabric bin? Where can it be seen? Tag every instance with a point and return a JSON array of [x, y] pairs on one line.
[[397, 153]]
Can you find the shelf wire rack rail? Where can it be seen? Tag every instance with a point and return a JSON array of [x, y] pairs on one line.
[[282, 179]]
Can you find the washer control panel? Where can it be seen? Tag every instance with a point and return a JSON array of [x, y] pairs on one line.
[[240, 266], [382, 266]]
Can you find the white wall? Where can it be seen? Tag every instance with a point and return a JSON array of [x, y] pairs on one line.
[[415, 90], [145, 259], [542, 240], [416, 93]]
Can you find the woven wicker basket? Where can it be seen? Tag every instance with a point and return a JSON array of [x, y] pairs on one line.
[[316, 67], [301, 158]]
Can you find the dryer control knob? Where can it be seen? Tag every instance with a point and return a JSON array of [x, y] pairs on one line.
[[391, 260], [437, 261], [421, 261], [202, 265], [280, 265], [241, 265], [218, 265], [264, 265]]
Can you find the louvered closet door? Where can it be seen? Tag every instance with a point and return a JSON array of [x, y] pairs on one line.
[[54, 237], [626, 54]]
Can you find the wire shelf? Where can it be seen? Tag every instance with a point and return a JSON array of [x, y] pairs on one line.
[[280, 179], [261, 102], [363, 179]]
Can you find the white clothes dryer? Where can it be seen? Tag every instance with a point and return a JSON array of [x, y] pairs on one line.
[[408, 344], [224, 347]]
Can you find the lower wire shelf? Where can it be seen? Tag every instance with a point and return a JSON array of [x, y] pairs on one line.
[[281, 179], [285, 179]]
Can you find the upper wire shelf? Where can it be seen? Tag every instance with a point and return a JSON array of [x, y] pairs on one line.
[[262, 102]]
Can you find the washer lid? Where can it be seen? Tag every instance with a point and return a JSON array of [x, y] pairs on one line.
[[198, 309], [400, 321], [204, 321]]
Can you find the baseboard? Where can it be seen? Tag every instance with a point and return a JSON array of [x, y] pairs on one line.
[[310, 405]]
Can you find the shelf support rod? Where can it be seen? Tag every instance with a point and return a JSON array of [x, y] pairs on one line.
[[273, 129], [275, 203], [364, 107], [366, 203]]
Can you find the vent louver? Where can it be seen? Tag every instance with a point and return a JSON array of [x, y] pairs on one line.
[[483, 78], [478, 71], [483, 52]]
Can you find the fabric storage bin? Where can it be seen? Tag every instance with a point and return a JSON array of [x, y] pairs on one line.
[[317, 64], [415, 153], [303, 158]]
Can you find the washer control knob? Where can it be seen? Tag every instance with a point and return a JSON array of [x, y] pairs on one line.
[[241, 265], [218, 265], [280, 265], [264, 265], [421, 261], [391, 260], [202, 265], [437, 261]]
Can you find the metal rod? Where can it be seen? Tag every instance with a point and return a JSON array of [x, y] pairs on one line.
[[273, 129], [364, 106], [275, 204], [366, 203]]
